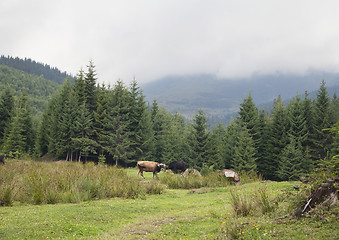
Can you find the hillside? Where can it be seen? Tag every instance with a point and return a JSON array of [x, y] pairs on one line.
[[220, 98], [38, 88], [32, 67]]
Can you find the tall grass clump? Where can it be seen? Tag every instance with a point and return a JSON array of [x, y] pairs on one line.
[[264, 203], [178, 181], [242, 204], [51, 182], [257, 203]]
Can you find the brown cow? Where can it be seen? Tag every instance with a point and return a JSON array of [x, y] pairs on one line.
[[149, 166], [230, 174]]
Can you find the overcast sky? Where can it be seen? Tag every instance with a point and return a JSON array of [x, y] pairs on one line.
[[150, 39]]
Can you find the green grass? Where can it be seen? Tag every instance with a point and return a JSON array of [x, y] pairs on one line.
[[202, 213]]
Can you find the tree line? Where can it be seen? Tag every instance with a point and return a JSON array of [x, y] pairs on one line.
[[32, 67], [86, 121]]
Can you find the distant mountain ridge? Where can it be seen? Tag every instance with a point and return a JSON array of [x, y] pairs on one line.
[[32, 67], [221, 98]]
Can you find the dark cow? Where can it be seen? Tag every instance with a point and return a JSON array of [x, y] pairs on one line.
[[2, 158], [178, 167], [149, 166]]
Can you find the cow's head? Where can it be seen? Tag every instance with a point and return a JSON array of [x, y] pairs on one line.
[[161, 166]]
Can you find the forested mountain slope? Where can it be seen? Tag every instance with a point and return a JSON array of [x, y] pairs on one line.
[[220, 98], [37, 88], [32, 67]]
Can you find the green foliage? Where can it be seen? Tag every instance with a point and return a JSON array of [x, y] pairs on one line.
[[49, 183], [32, 67], [6, 110], [37, 88], [241, 204], [20, 136], [322, 139], [199, 141]]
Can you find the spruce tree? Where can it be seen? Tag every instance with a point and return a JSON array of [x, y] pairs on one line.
[[138, 128], [82, 142], [158, 117], [6, 110], [298, 132], [262, 156], [66, 119], [216, 146], [80, 88], [278, 139], [248, 115], [244, 159], [100, 120], [173, 138], [118, 141], [322, 139], [229, 143], [290, 167], [20, 138], [199, 140], [90, 88]]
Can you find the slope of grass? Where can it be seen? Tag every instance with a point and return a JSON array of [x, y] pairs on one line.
[[203, 213]]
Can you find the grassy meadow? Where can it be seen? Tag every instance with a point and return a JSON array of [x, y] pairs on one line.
[[99, 202]]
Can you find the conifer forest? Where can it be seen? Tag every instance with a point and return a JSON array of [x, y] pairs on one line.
[[86, 121]]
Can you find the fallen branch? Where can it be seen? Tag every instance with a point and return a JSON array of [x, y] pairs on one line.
[[308, 203]]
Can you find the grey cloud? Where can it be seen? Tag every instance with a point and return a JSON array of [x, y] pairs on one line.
[[152, 39]]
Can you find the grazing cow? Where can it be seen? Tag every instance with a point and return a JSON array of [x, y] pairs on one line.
[[2, 158], [230, 174], [149, 166], [191, 171], [178, 167]]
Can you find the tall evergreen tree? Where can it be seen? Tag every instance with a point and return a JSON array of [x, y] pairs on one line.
[[6, 109], [262, 156], [229, 143], [298, 132], [90, 87], [290, 166], [248, 115], [20, 138], [80, 87], [199, 140], [101, 119], [66, 119], [278, 139], [158, 117], [82, 142], [322, 139], [118, 141], [138, 128], [215, 149], [244, 152]]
